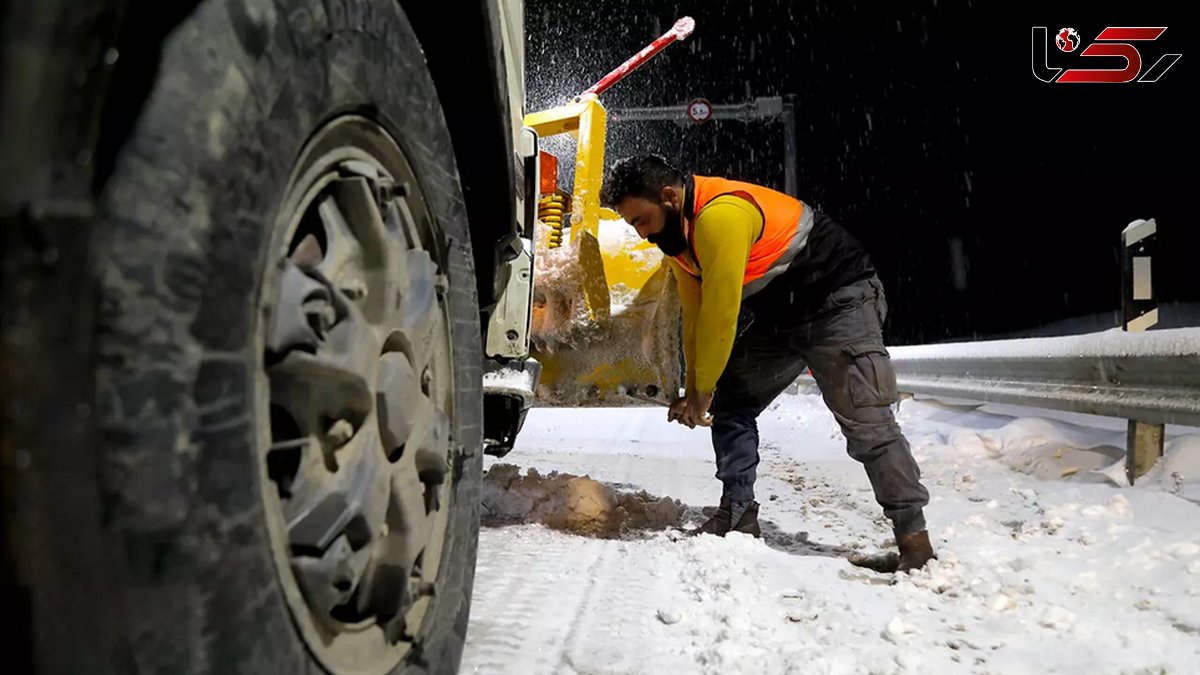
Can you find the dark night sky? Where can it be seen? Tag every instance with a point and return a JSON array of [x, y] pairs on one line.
[[923, 130]]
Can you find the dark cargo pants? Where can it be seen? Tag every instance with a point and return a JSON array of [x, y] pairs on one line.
[[842, 343]]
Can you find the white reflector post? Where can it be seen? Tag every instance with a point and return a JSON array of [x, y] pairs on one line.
[[1139, 301]]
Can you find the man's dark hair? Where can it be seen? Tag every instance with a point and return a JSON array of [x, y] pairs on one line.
[[638, 176]]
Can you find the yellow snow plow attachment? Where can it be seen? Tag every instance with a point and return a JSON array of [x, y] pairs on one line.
[[605, 320]]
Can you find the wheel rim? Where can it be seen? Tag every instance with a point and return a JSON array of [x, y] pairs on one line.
[[357, 360]]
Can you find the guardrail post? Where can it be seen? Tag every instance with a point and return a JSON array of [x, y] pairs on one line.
[[1139, 309], [1143, 447]]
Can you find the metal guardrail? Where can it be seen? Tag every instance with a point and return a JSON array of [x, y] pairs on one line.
[[1147, 378], [1151, 377]]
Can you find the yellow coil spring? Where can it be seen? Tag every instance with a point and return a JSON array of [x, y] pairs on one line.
[[550, 211]]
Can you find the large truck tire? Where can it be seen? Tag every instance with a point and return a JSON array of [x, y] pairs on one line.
[[288, 394]]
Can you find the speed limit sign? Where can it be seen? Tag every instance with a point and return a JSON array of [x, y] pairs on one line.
[[699, 110]]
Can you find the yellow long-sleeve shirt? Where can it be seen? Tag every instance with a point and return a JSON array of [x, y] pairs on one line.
[[723, 233]]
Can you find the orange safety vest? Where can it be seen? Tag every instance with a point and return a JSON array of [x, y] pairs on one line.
[[787, 222]]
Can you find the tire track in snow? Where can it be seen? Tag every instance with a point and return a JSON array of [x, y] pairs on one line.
[[570, 639], [544, 596], [630, 583], [616, 589], [533, 591], [504, 603]]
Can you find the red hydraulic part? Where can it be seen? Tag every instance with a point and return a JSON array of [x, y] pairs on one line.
[[679, 31], [548, 171]]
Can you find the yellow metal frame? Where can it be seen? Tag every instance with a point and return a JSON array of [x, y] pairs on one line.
[[586, 120], [646, 360]]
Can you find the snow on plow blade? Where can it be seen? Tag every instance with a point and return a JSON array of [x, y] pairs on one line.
[[605, 323], [626, 352]]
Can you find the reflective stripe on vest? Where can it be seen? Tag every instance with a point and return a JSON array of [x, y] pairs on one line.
[[787, 223]]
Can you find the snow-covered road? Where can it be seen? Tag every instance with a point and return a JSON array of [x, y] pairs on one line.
[[1046, 564]]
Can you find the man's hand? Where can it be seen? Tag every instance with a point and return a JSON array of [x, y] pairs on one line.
[[675, 412], [691, 410]]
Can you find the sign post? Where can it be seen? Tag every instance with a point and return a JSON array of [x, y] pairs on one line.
[[1139, 311]]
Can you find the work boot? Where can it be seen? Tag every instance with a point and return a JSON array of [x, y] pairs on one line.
[[718, 523], [915, 550], [748, 524]]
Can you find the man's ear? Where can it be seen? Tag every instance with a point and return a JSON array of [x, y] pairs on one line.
[[671, 195]]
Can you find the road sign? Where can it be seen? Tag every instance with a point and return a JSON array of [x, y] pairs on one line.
[[700, 111]]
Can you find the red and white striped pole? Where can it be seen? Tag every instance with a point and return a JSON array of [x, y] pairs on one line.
[[679, 31]]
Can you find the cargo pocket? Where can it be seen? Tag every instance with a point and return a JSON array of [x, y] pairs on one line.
[[872, 380], [881, 306], [846, 296]]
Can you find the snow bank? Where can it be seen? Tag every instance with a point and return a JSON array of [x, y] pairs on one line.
[[1037, 447], [1179, 469], [1041, 448], [1181, 456]]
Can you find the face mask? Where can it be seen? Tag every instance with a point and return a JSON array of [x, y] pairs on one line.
[[671, 240]]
